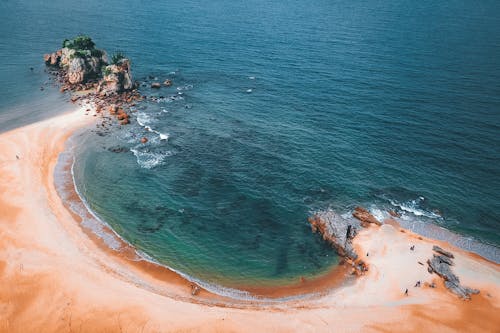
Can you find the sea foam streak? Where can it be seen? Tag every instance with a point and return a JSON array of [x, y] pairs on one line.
[[144, 120], [148, 159], [414, 207]]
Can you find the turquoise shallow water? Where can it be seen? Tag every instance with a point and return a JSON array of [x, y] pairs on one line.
[[277, 110]]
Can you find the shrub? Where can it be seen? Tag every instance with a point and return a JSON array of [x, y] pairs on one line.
[[106, 71], [117, 57], [80, 43], [80, 54], [96, 53]]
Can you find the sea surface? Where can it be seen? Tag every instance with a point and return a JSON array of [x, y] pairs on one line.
[[277, 109]]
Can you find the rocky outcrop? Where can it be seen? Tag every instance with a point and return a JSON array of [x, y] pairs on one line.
[[116, 78], [79, 60], [336, 230], [52, 59], [82, 68], [79, 66], [441, 265], [365, 217]]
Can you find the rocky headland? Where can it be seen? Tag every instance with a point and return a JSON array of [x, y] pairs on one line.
[[340, 233]]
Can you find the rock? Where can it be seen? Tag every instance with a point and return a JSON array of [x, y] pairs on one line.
[[125, 121], [122, 115], [443, 252], [117, 78], [457, 289], [441, 265], [443, 270], [195, 290], [118, 149], [112, 109], [52, 59], [336, 230], [444, 259], [144, 140], [364, 216], [156, 85], [76, 70], [167, 82], [66, 55], [393, 213]]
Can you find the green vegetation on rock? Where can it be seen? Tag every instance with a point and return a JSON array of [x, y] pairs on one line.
[[106, 71], [81, 42], [117, 57]]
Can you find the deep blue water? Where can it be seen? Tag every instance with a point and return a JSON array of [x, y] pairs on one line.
[[389, 105]]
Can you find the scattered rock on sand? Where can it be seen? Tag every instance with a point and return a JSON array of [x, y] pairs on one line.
[[443, 252], [441, 265], [444, 259]]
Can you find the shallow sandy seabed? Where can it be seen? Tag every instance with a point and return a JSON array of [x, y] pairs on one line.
[[55, 277]]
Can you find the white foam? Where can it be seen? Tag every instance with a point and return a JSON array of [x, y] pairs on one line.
[[412, 206], [249, 90], [251, 77], [149, 160], [427, 228], [378, 213], [185, 87], [143, 118]]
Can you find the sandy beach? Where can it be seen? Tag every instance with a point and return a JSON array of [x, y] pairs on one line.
[[56, 277]]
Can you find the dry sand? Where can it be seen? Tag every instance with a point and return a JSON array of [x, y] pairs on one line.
[[55, 277]]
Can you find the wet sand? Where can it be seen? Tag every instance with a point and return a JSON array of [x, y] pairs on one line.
[[57, 277]]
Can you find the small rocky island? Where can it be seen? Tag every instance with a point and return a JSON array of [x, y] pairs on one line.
[[82, 68]]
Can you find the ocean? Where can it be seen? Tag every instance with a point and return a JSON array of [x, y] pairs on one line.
[[277, 110]]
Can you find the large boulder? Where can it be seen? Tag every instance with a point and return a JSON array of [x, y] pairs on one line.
[[52, 59], [76, 70], [66, 56], [336, 230]]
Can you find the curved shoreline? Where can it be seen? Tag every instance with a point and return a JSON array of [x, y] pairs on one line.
[[109, 240], [54, 277]]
